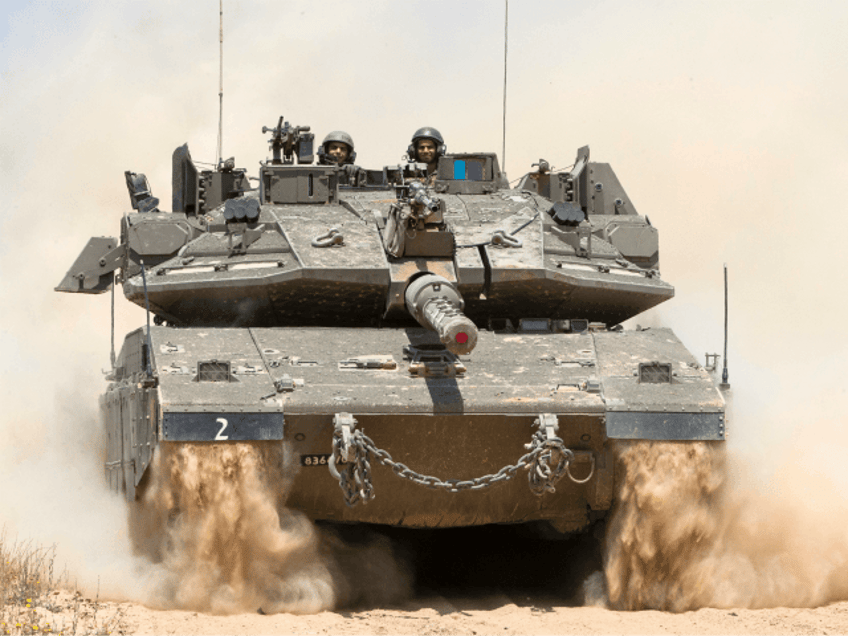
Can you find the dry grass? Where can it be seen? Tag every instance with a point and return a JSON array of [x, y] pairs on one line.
[[35, 600]]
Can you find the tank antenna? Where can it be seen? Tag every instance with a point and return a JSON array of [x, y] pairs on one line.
[[112, 354], [724, 375], [147, 309], [220, 82], [506, 49]]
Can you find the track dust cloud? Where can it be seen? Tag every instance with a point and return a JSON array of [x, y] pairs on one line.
[[690, 531], [214, 518]]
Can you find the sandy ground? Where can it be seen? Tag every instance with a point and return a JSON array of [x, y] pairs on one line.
[[496, 614]]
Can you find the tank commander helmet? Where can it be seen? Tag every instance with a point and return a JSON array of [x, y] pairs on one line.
[[426, 133], [337, 148]]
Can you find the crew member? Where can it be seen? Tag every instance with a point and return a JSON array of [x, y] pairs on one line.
[[426, 147], [337, 148]]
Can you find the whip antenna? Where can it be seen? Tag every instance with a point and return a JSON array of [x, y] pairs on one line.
[[506, 49], [112, 354], [219, 153], [724, 375]]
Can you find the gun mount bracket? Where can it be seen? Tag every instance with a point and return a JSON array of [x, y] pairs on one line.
[[432, 361]]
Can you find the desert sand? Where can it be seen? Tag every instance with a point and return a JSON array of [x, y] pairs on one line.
[[493, 614]]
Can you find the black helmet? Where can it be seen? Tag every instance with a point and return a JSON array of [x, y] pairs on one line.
[[427, 133], [342, 137]]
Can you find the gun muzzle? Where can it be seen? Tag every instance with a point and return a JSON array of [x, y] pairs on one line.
[[437, 305], [418, 196]]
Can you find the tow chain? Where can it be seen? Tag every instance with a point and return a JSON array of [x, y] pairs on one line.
[[546, 461]]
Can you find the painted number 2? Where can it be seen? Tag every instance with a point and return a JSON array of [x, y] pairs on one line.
[[223, 424]]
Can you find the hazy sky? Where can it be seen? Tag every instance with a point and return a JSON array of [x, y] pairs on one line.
[[725, 122]]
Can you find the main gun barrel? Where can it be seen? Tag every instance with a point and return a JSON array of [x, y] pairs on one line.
[[437, 305]]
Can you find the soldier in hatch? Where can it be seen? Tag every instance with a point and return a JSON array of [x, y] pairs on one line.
[[337, 148], [426, 147]]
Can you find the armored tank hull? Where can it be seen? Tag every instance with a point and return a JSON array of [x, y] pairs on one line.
[[433, 355], [443, 416]]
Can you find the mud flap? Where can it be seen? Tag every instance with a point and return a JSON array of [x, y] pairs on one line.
[[221, 427], [665, 426]]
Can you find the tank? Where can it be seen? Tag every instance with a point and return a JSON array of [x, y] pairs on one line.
[[431, 350]]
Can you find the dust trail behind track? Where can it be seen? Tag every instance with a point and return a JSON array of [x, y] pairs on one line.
[[214, 517], [684, 536], [688, 531]]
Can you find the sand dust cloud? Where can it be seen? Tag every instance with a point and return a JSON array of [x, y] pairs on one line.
[[214, 519], [690, 531], [228, 547]]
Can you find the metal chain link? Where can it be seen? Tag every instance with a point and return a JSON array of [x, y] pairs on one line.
[[542, 476], [547, 462], [354, 476]]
